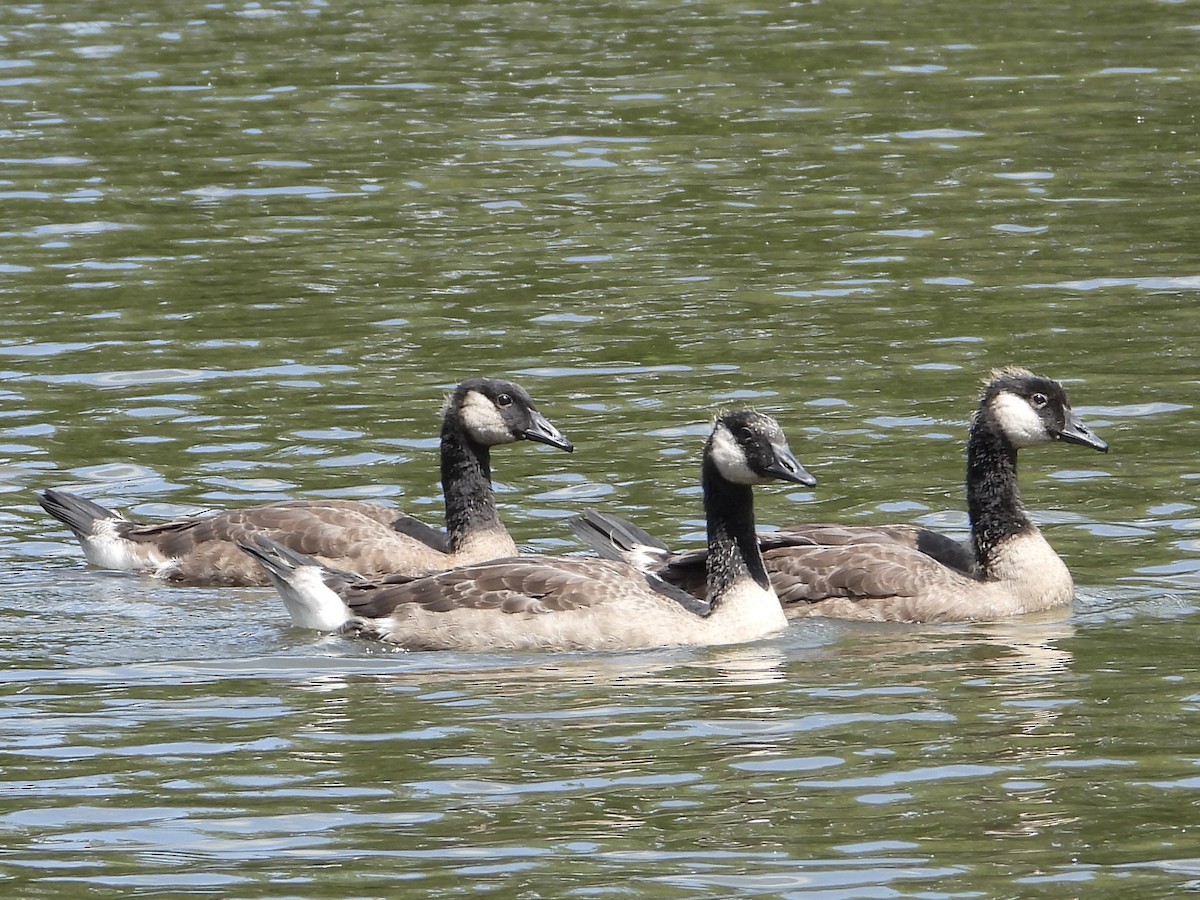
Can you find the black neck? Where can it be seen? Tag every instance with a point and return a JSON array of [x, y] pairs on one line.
[[993, 498], [466, 484], [732, 540]]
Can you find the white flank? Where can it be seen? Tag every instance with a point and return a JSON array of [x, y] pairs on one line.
[[1019, 421], [483, 421], [106, 550]]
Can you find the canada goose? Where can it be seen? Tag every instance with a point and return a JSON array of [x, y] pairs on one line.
[[367, 538], [1016, 570], [570, 603]]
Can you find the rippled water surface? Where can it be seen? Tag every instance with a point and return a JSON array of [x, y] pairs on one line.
[[246, 247]]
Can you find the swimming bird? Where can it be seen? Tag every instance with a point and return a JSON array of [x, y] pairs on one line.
[[367, 538], [570, 603], [1014, 571]]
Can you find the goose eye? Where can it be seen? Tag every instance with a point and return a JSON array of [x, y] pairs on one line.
[[745, 434], [504, 400], [1039, 401]]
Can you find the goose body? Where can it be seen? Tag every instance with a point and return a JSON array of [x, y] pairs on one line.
[[570, 603], [1015, 569], [362, 537], [891, 583]]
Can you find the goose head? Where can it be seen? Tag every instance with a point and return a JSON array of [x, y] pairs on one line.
[[749, 447], [1029, 410], [493, 412]]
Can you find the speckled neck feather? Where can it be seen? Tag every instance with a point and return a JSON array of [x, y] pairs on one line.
[[993, 497], [466, 484], [732, 541]]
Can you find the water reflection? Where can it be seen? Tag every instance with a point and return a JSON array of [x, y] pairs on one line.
[[248, 245], [1027, 647]]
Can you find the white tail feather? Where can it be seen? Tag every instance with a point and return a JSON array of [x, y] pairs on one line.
[[309, 601]]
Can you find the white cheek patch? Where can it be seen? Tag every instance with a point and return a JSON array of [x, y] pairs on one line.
[[730, 459], [1019, 422], [483, 421]]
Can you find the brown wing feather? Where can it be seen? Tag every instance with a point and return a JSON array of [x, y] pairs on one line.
[[818, 552], [180, 535], [944, 549], [687, 570], [343, 534], [532, 585], [856, 572]]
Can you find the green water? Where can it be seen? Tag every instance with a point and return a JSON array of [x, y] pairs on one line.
[[246, 247]]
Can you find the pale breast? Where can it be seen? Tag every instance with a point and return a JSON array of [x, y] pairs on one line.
[[1035, 576]]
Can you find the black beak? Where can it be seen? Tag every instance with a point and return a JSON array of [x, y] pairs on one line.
[[1075, 432], [543, 432], [786, 467]]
